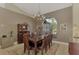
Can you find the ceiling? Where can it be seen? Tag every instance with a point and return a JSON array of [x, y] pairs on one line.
[[31, 9]]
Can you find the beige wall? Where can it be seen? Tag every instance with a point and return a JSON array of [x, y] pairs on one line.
[[12, 7], [75, 22], [9, 21], [63, 16]]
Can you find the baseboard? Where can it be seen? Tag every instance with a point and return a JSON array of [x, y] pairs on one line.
[[0, 46], [58, 42]]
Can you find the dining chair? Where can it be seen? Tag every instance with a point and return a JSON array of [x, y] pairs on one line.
[[28, 44], [40, 45], [44, 45], [50, 40], [47, 42]]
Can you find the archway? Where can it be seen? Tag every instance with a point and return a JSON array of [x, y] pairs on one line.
[[54, 27], [51, 26]]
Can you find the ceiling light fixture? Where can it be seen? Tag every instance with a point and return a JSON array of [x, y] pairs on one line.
[[39, 15]]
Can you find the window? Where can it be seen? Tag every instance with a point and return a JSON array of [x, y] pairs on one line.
[[50, 25], [54, 26]]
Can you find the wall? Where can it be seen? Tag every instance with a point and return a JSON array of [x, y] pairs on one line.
[[12, 7], [75, 22], [63, 16], [9, 21]]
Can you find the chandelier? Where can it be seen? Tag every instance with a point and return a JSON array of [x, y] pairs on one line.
[[38, 15]]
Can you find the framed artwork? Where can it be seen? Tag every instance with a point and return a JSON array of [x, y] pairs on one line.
[[63, 27]]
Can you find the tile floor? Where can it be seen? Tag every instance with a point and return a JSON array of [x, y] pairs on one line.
[[58, 48]]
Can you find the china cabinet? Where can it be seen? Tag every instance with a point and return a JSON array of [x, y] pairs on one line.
[[21, 28]]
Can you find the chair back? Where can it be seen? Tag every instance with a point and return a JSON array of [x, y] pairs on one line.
[[26, 37]]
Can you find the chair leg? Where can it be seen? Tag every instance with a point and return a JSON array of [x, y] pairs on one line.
[[35, 52], [28, 52], [49, 45], [42, 51], [24, 49], [45, 49]]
